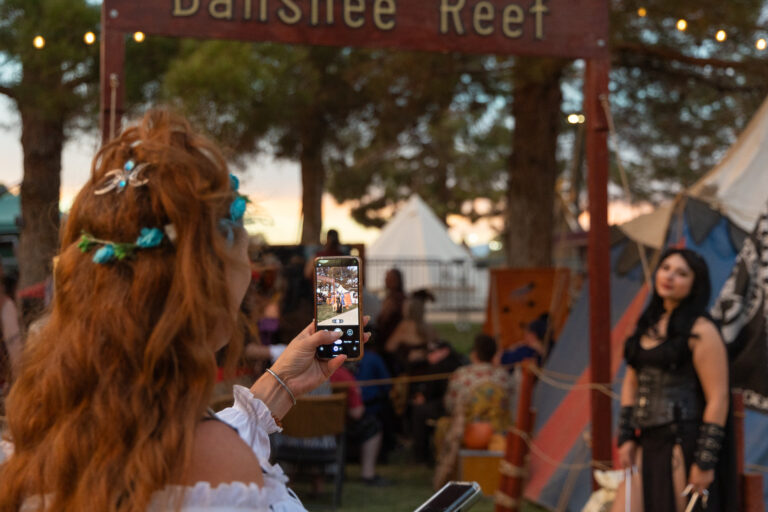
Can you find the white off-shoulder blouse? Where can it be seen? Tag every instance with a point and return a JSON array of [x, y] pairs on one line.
[[254, 423]]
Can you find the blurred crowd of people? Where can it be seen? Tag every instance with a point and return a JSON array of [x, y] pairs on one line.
[[387, 416], [447, 385]]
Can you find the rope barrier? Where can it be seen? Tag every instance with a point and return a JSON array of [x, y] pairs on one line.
[[757, 467], [552, 462], [602, 388], [547, 376], [407, 379], [506, 468]]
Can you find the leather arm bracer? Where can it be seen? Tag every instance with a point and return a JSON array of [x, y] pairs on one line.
[[708, 445], [626, 425]]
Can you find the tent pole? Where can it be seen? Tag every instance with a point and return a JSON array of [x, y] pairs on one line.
[[598, 257], [112, 75]]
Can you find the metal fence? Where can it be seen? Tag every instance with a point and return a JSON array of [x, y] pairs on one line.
[[458, 285]]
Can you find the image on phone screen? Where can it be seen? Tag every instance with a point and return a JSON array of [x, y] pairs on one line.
[[337, 305]]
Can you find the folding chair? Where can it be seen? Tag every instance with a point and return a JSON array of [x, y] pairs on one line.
[[317, 416]]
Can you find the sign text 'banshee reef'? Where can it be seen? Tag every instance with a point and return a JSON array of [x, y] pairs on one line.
[[457, 16], [576, 28]]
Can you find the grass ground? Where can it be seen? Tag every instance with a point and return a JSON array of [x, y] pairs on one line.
[[411, 486], [461, 335], [411, 483]]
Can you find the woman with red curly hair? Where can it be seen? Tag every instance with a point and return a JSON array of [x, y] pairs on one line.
[[109, 410]]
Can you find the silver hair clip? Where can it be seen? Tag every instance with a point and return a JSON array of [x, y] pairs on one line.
[[118, 179], [130, 174]]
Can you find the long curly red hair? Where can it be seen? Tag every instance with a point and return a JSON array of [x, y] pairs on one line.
[[105, 406]]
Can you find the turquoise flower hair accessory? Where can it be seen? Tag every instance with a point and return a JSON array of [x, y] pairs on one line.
[[239, 204], [237, 208], [105, 254], [149, 238], [111, 251]]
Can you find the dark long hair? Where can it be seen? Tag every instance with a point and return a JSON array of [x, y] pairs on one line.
[[693, 306]]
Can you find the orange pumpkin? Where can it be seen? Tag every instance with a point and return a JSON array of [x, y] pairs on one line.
[[498, 443], [477, 435]]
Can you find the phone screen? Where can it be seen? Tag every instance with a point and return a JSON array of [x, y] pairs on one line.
[[337, 305], [454, 496]]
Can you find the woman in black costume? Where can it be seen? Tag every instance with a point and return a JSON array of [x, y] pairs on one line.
[[675, 395]]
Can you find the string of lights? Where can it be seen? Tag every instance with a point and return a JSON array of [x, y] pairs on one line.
[[720, 34], [89, 38], [681, 25]]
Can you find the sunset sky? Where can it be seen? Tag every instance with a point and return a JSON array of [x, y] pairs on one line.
[[273, 186]]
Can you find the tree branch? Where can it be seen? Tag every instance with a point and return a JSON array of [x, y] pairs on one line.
[[666, 53], [73, 84], [7, 91]]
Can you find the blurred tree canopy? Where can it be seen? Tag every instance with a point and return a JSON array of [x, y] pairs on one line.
[[50, 88], [374, 126], [680, 98], [327, 108], [55, 91]]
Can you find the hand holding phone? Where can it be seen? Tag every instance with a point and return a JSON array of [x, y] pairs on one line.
[[452, 497], [338, 305]]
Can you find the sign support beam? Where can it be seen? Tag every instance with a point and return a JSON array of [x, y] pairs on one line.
[[559, 28], [598, 258]]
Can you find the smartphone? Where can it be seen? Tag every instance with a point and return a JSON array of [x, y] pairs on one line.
[[452, 497], [338, 305]]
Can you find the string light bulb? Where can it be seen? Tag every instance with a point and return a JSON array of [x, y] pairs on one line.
[[721, 36], [682, 25], [760, 44], [38, 42], [642, 12], [89, 38], [139, 37], [573, 119]]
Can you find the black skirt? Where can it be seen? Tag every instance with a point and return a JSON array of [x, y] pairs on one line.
[[658, 488]]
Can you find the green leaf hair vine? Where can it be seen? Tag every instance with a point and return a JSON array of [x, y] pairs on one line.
[[111, 251]]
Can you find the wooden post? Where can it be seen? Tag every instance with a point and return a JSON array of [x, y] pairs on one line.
[[511, 486], [112, 75], [738, 429], [750, 484], [598, 257]]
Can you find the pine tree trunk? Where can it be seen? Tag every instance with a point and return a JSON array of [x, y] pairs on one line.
[[533, 165], [312, 183], [42, 141]]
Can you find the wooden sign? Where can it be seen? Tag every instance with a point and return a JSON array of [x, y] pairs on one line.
[[562, 28]]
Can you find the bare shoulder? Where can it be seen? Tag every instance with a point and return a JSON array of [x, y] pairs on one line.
[[705, 328], [705, 333], [220, 456]]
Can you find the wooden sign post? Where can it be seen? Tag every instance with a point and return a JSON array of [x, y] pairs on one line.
[[557, 28]]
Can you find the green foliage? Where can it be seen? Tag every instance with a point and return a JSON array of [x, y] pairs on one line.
[[246, 94], [433, 130], [411, 486], [391, 123], [680, 98], [60, 79]]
